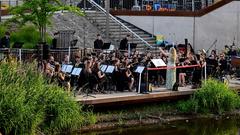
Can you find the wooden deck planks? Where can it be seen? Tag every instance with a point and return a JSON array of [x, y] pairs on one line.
[[133, 97]]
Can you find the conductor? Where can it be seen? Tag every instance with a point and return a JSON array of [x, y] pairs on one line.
[[98, 43], [124, 43]]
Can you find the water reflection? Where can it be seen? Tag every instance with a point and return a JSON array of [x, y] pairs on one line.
[[191, 127]]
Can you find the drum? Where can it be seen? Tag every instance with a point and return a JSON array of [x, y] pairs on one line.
[[235, 61]]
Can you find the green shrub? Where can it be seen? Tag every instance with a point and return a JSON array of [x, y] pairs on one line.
[[29, 105], [213, 97], [216, 97], [3, 29]]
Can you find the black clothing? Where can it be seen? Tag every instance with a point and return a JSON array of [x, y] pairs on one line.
[[123, 44], [223, 65], [54, 43], [232, 53], [98, 44], [5, 42]]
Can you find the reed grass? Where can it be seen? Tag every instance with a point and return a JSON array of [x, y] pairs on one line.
[[29, 105], [213, 97]]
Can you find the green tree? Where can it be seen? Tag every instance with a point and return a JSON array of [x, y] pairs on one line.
[[38, 12]]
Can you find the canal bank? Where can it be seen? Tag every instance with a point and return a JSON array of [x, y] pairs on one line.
[[148, 116], [214, 100], [203, 126]]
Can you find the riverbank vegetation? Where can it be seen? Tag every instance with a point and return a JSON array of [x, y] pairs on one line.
[[213, 97], [213, 100], [29, 105]]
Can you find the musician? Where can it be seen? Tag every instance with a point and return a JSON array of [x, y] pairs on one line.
[[233, 51], [189, 50], [5, 41], [60, 78], [51, 62], [94, 60], [86, 74], [212, 63], [226, 49], [198, 71], [223, 64], [98, 43], [47, 69], [124, 43], [182, 61], [100, 76], [78, 62], [128, 76], [66, 60], [213, 55]]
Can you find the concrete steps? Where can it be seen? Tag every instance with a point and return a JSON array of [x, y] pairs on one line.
[[117, 33]]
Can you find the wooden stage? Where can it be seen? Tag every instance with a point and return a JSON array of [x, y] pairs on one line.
[[158, 94], [121, 98]]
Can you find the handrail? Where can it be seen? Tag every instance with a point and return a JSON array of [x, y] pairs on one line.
[[117, 21]]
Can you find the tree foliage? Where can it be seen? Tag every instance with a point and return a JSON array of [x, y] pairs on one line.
[[38, 12]]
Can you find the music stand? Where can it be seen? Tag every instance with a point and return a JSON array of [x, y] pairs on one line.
[[133, 46], [64, 68], [158, 62], [106, 46], [109, 70], [17, 45], [67, 68], [76, 71], [103, 68], [73, 42], [139, 70]]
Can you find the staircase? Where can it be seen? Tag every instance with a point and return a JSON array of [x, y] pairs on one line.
[[118, 29]]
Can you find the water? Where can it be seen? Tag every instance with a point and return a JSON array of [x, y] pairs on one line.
[[191, 127]]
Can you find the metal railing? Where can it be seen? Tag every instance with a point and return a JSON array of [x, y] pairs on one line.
[[29, 55], [119, 23], [158, 5]]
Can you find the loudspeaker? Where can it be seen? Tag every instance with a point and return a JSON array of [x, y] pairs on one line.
[[186, 41], [45, 51]]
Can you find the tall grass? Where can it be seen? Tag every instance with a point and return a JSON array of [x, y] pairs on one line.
[[213, 97], [29, 105]]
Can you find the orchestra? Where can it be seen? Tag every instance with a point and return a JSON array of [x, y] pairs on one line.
[[123, 76]]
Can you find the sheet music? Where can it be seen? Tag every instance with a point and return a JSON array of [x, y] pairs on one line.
[[76, 71], [110, 69], [158, 62], [69, 68], [139, 69], [103, 68], [64, 67]]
